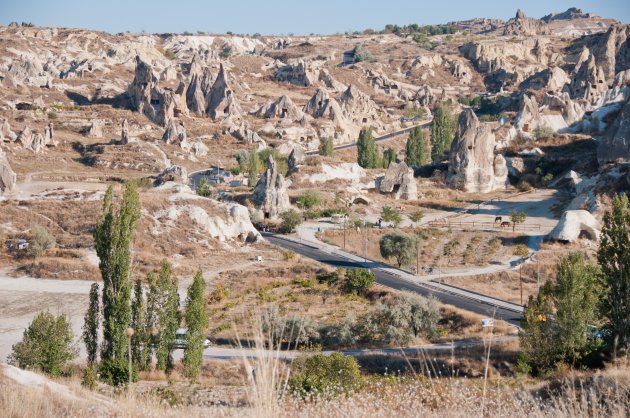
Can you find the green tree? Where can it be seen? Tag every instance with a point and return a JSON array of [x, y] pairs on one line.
[[367, 153], [290, 220], [398, 246], [167, 303], [327, 148], [41, 241], [575, 294], [389, 156], [242, 158], [537, 336], [358, 281], [442, 131], [388, 214], [415, 148], [47, 345], [140, 337], [196, 326], [556, 323], [308, 199], [113, 237], [416, 216], [203, 188], [517, 218], [253, 165], [90, 325], [614, 261]]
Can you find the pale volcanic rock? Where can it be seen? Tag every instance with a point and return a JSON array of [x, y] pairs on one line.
[[222, 102], [296, 73], [199, 87], [7, 175], [473, 167], [270, 194], [521, 25], [283, 107], [175, 133], [615, 145], [575, 224], [400, 181]]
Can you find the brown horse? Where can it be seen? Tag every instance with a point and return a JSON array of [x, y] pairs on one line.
[[505, 224]]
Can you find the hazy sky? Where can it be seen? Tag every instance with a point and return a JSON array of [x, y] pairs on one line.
[[279, 17]]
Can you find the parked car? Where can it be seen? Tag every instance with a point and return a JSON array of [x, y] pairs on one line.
[[181, 340]]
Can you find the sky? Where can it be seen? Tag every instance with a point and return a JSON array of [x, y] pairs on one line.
[[275, 17]]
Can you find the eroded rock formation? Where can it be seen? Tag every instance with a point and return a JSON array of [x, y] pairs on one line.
[[270, 194], [473, 166], [7, 175], [399, 181], [615, 145]]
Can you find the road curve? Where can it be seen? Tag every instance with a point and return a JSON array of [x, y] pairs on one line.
[[390, 280]]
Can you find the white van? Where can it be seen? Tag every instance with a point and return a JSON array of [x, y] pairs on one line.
[[181, 340]]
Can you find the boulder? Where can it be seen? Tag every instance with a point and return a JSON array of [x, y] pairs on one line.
[[528, 117], [400, 181], [473, 166], [296, 73], [26, 138], [174, 173], [200, 149], [175, 132], [270, 194], [7, 175], [575, 224], [49, 135], [283, 107], [296, 158], [96, 129], [6, 134], [124, 132], [615, 145]]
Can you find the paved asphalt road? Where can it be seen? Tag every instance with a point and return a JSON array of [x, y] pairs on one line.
[[387, 279]]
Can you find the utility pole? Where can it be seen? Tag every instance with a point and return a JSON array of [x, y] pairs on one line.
[[417, 257], [521, 280], [344, 232], [129, 334], [366, 241]]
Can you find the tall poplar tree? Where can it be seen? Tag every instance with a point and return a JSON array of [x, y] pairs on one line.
[[113, 237], [90, 326], [196, 326], [442, 131], [167, 303], [415, 148], [614, 261], [367, 152]]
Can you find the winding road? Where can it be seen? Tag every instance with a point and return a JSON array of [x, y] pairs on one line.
[[398, 279]]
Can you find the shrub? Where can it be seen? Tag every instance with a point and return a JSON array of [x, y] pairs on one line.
[[42, 240], [326, 148], [290, 220], [219, 294], [47, 345], [308, 199], [360, 54], [326, 376], [358, 281], [416, 216], [288, 255], [342, 334], [203, 188], [88, 380], [524, 186], [390, 215], [400, 320], [543, 132], [115, 372]]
